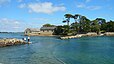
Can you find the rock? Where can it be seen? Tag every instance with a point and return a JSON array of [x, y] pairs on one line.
[[9, 42], [109, 34], [79, 35], [88, 34], [91, 34]]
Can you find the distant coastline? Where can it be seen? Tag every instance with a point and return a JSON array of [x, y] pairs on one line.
[[11, 32]]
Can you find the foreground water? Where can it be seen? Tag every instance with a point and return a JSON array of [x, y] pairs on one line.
[[50, 50]]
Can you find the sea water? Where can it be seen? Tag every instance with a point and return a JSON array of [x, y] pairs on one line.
[[51, 50]]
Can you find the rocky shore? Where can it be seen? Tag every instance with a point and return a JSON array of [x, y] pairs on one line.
[[88, 34], [109, 33], [11, 41]]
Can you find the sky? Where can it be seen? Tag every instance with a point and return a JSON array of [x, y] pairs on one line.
[[17, 15]]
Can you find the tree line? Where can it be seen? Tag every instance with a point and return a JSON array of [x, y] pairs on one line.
[[82, 24]]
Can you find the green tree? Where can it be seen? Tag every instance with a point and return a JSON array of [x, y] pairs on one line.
[[75, 27], [95, 27], [77, 18], [58, 30], [48, 25], [65, 30], [68, 16], [110, 26], [83, 23], [102, 23]]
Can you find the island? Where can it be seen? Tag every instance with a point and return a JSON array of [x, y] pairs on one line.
[[82, 26]]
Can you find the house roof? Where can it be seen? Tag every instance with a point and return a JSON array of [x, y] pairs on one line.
[[33, 29], [47, 28]]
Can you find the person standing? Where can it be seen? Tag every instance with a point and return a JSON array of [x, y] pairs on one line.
[[28, 39], [24, 39]]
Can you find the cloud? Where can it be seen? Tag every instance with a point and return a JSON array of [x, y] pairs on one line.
[[16, 22], [45, 7], [84, 6], [3, 2], [9, 25], [5, 21], [41, 19], [81, 5], [22, 5], [87, 1], [19, 0], [16, 27], [94, 7]]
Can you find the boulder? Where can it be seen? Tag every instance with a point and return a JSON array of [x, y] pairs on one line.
[[9, 42]]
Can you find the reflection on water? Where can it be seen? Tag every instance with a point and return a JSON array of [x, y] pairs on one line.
[[50, 50]]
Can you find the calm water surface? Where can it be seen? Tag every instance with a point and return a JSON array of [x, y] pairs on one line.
[[50, 50]]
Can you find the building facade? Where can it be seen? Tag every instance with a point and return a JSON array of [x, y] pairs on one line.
[[47, 30], [43, 31], [29, 31]]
